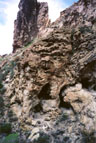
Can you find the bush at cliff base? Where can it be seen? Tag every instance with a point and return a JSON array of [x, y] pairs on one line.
[[12, 138]]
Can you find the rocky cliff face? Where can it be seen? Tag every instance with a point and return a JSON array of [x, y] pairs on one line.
[[48, 90], [31, 19], [81, 13]]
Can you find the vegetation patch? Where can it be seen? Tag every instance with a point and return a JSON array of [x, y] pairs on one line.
[[72, 33], [85, 29], [27, 45], [62, 118], [88, 137], [1, 102], [8, 68], [2, 89], [5, 128], [12, 138], [43, 138], [1, 85], [66, 139]]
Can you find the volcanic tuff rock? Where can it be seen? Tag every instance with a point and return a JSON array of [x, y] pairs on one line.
[[52, 90], [80, 13], [50, 86], [33, 22], [31, 19]]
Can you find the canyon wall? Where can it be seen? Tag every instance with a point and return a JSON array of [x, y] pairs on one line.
[[48, 89]]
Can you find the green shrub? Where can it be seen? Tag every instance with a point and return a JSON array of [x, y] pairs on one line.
[[8, 68], [1, 85], [12, 138], [43, 138], [88, 137], [5, 128], [31, 42], [1, 102], [85, 29], [4, 72], [2, 90], [66, 139], [1, 77], [63, 117], [10, 113], [12, 66], [72, 33]]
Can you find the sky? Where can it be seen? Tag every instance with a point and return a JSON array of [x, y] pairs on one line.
[[8, 13]]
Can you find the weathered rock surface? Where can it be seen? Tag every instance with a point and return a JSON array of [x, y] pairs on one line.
[[51, 85], [82, 102], [31, 19], [81, 13], [42, 91]]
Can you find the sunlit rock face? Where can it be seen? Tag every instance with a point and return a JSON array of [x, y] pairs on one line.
[[33, 21], [51, 87], [81, 13], [32, 18], [48, 89]]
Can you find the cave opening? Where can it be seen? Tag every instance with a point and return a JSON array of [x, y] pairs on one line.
[[61, 97], [45, 92], [87, 76]]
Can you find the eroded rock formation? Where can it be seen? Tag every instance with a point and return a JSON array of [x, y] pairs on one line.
[[51, 85], [31, 19], [80, 13]]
